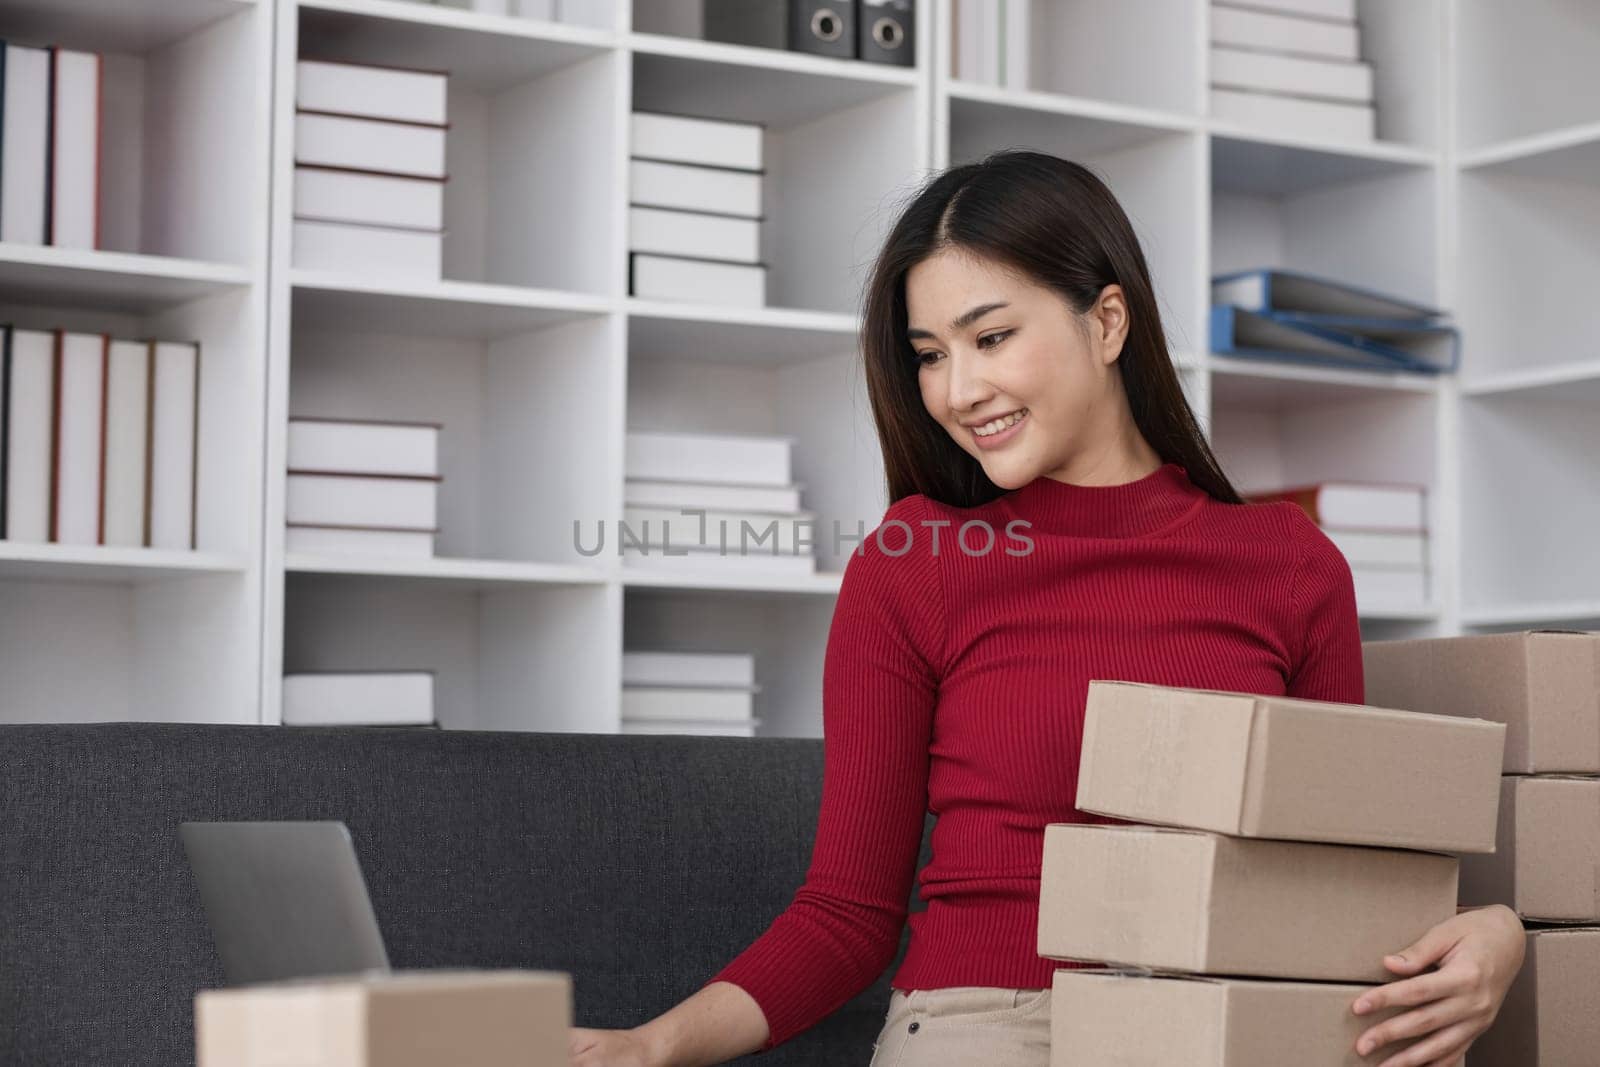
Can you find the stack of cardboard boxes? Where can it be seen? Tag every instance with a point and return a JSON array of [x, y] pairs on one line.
[[1289, 845], [1545, 687]]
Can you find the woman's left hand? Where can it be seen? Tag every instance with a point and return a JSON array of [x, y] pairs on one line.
[[1479, 953]]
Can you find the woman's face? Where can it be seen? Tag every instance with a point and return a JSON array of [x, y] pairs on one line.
[[993, 346]]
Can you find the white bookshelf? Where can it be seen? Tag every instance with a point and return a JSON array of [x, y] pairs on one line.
[[1478, 196], [98, 633]]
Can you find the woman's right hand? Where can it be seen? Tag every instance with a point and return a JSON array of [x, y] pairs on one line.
[[607, 1048]]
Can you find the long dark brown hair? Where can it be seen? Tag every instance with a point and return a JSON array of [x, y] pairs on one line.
[[1053, 221]]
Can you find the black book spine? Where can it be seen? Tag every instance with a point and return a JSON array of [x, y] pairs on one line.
[[823, 27], [886, 32]]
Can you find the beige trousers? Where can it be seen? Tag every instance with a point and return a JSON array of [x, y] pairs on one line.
[[965, 1025]]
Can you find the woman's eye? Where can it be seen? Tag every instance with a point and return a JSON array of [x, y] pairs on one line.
[[995, 337], [926, 358]]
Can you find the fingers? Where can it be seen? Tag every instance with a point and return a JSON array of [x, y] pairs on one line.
[[1414, 1024], [1448, 1043], [1428, 948], [1419, 990]]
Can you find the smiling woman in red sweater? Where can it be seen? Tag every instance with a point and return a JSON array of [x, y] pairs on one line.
[[1056, 516]]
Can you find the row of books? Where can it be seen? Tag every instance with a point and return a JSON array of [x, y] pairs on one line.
[[752, 521], [1382, 530], [98, 439], [1291, 66], [369, 170], [1296, 317], [695, 204], [49, 146], [874, 31], [989, 41], [702, 693], [362, 486]]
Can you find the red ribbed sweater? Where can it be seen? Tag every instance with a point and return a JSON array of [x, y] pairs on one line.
[[954, 682]]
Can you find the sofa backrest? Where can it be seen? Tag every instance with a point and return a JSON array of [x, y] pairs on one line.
[[640, 865]]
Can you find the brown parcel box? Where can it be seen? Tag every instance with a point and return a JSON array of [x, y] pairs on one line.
[[1187, 900], [1551, 1014], [1548, 864], [1100, 1017], [464, 1018], [1300, 770], [1543, 684]]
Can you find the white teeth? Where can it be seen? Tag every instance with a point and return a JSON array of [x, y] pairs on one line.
[[996, 425]]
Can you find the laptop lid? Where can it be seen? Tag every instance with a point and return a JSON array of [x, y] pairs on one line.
[[284, 899]]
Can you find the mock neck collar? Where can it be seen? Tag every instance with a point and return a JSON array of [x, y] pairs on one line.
[[1144, 506]]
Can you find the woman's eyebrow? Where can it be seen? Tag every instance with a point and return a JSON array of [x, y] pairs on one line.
[[963, 321]]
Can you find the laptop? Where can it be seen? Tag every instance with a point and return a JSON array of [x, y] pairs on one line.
[[284, 899]]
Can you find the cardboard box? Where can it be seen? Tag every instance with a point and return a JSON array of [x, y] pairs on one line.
[[1101, 1017], [1281, 767], [404, 1019], [1551, 1014], [1548, 864], [1543, 684], [1188, 900]]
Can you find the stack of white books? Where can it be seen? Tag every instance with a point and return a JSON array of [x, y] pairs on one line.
[[577, 12], [990, 40], [694, 215], [1381, 528], [369, 169], [50, 146], [358, 698], [98, 439], [714, 503], [706, 693], [362, 486], [1291, 66]]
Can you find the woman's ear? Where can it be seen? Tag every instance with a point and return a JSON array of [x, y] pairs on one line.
[[1109, 317]]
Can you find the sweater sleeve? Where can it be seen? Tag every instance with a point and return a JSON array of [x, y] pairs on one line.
[[880, 683], [1326, 625]]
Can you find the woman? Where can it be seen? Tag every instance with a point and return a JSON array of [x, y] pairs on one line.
[[1057, 516]]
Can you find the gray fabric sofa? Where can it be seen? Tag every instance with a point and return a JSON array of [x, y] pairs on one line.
[[640, 865]]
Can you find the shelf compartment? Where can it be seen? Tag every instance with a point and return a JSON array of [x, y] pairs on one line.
[[181, 173], [531, 426], [523, 114], [1524, 69], [228, 328], [145, 641], [1529, 248], [524, 657], [1269, 437], [820, 402], [787, 636], [833, 149], [1102, 50], [1530, 504]]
